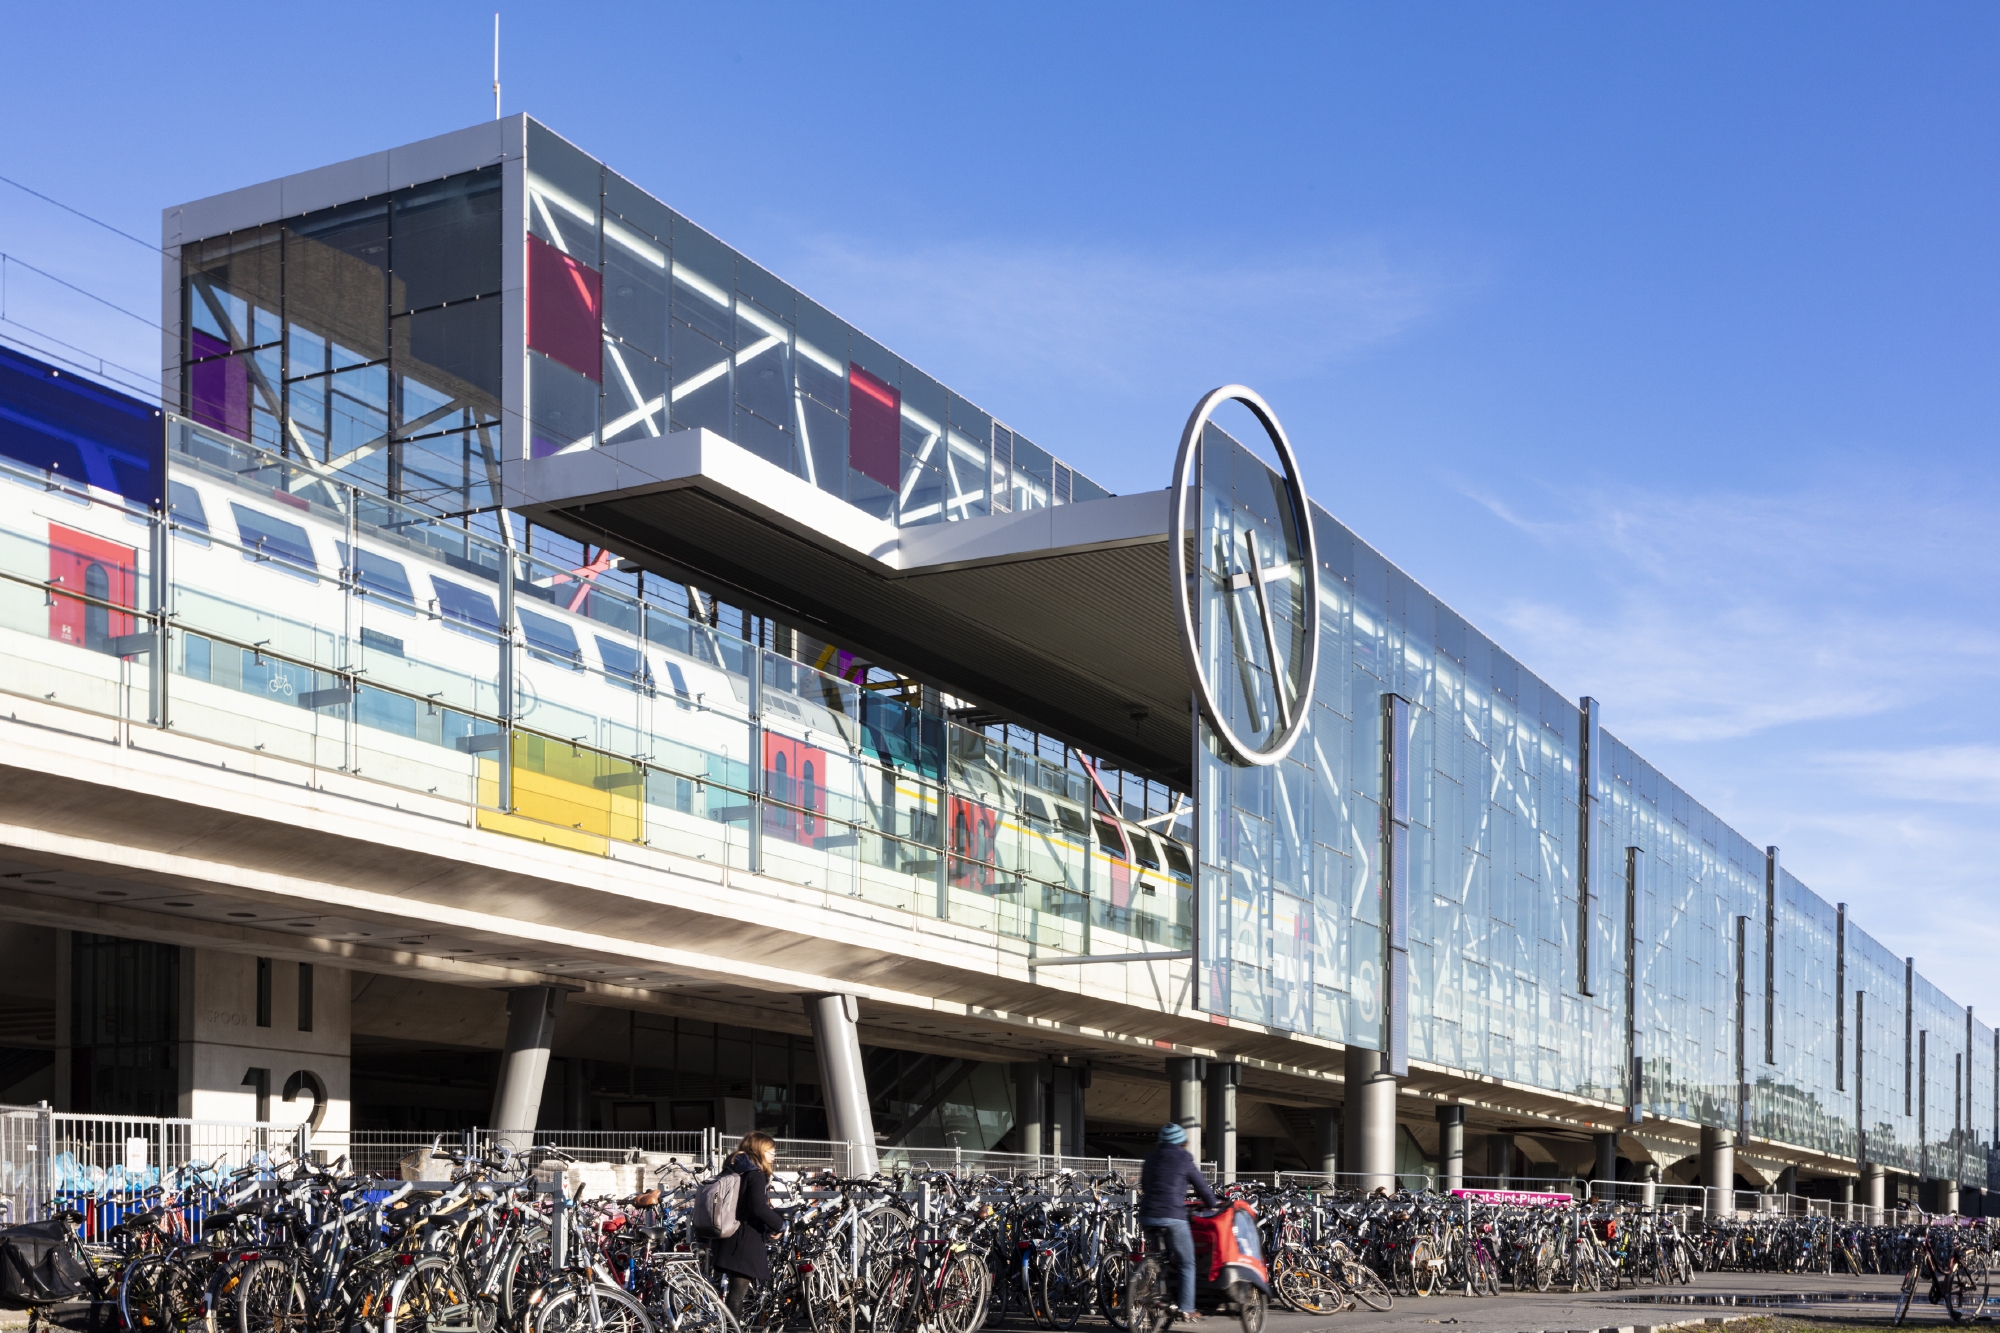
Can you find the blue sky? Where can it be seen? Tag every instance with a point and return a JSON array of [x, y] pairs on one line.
[[1659, 340]]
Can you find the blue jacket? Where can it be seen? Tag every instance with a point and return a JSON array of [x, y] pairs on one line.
[[1164, 1183]]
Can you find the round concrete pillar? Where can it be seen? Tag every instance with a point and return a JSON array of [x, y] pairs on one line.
[[1874, 1191], [1718, 1170], [1370, 1116], [1184, 1099]]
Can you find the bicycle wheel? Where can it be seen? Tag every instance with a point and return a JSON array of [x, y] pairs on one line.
[[432, 1296], [597, 1307], [1147, 1309], [142, 1300], [1366, 1285], [895, 1304], [961, 1294], [1065, 1288], [1250, 1307], [268, 1299], [1424, 1268], [1908, 1294], [1306, 1289], [1485, 1275], [529, 1269], [690, 1304], [1112, 1275]]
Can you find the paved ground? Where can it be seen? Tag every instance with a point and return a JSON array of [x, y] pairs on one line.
[[1713, 1298]]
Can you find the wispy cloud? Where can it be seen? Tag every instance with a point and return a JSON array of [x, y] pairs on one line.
[[1724, 614], [1007, 316]]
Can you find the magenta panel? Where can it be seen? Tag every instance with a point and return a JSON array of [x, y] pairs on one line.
[[874, 427], [565, 309]]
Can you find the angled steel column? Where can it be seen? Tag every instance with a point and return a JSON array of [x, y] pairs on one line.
[[524, 1064], [1220, 1122], [1451, 1148], [1326, 1126], [842, 1079], [1031, 1107], [1607, 1163]]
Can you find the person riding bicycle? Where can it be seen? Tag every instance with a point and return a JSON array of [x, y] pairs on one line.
[[1164, 1184]]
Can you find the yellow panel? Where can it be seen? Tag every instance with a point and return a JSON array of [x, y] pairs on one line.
[[565, 795]]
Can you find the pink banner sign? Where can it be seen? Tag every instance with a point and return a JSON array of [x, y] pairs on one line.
[[1522, 1198]]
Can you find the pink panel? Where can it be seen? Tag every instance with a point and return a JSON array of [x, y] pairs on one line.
[[565, 309], [874, 427]]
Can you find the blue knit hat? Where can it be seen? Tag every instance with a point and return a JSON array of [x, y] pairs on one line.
[[1171, 1133]]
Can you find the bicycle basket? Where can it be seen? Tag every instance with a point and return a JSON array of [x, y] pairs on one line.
[[39, 1265]]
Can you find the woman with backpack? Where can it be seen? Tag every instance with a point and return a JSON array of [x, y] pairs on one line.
[[743, 1250]]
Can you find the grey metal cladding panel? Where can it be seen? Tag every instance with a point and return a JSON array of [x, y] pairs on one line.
[[933, 635], [251, 206], [341, 183]]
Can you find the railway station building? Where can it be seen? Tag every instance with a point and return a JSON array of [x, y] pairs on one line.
[[534, 668]]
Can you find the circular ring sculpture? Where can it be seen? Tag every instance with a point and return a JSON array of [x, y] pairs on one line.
[[1292, 712]]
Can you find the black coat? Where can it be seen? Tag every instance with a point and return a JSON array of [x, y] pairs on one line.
[[1164, 1181], [748, 1251]]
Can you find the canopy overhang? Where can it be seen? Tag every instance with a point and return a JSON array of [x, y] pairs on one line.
[[1061, 618]]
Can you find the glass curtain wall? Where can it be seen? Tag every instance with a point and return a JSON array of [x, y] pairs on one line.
[[1291, 892], [361, 342]]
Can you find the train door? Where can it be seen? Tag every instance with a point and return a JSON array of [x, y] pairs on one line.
[[794, 773], [974, 835], [91, 567]]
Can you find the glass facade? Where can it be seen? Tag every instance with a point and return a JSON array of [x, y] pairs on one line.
[[1292, 892], [342, 387], [693, 333]]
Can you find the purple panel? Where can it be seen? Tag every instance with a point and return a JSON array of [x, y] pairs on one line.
[[218, 388]]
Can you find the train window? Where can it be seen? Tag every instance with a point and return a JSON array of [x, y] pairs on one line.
[[1142, 850], [1108, 840], [466, 606], [192, 520], [624, 664], [274, 539], [380, 642], [377, 573], [1072, 821], [550, 639], [1032, 807], [1177, 861]]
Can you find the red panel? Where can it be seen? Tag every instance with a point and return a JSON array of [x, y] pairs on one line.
[[81, 563], [796, 773], [974, 832], [565, 309], [874, 427]]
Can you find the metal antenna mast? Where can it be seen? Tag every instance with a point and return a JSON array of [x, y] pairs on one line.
[[496, 66]]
